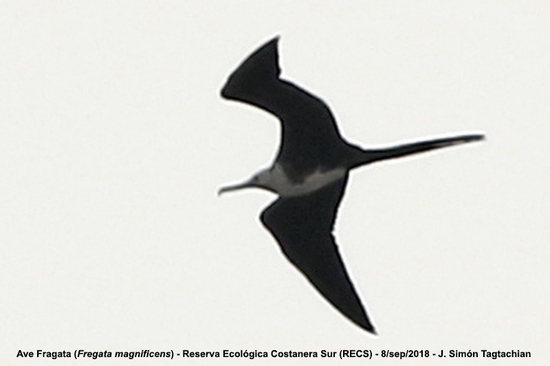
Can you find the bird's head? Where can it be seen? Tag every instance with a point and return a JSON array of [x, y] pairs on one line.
[[261, 179]]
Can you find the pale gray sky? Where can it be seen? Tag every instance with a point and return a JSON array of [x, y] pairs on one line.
[[113, 142]]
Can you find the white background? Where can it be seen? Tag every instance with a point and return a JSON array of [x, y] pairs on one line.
[[114, 140]]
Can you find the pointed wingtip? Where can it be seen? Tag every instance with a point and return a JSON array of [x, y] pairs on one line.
[[258, 69], [272, 43], [275, 39], [366, 325], [269, 51], [372, 331]]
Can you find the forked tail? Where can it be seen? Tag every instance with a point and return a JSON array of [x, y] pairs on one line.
[[371, 156]]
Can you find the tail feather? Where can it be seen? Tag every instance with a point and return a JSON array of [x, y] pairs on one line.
[[370, 156]]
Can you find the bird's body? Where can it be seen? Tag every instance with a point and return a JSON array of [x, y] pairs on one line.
[[317, 179], [310, 174]]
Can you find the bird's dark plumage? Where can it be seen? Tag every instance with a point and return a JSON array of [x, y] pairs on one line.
[[310, 175], [310, 136], [303, 228]]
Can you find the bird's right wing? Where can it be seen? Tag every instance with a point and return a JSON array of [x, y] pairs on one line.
[[309, 130], [303, 228]]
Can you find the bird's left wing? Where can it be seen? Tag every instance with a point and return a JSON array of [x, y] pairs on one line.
[[303, 228]]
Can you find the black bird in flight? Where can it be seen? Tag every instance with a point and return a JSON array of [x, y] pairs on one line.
[[309, 175]]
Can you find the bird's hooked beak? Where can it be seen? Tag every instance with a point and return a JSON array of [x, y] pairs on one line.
[[247, 184]]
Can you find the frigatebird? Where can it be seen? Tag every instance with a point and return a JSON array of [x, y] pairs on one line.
[[310, 174]]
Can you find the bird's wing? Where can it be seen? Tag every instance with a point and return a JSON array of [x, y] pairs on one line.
[[309, 131], [303, 228]]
